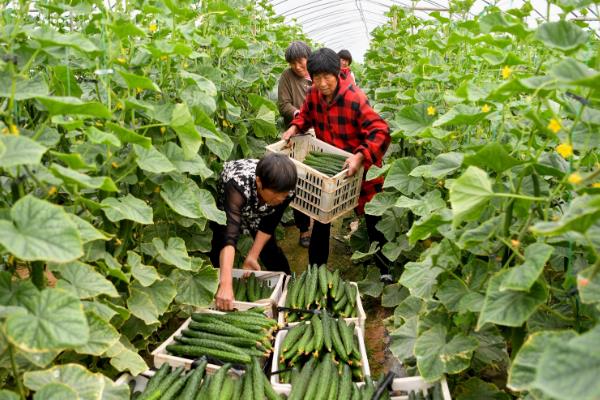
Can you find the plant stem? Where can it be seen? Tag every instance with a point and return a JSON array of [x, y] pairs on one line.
[[13, 363], [520, 196]]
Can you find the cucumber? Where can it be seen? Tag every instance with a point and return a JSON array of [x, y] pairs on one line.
[[340, 292], [236, 341], [305, 340], [324, 377], [227, 388], [247, 391], [334, 382], [153, 383], [203, 392], [436, 393], [336, 283], [210, 344], [329, 279], [217, 382], [351, 292], [225, 330], [258, 385], [193, 383], [292, 337], [312, 288], [196, 351], [163, 386], [355, 392], [300, 296], [345, 389], [175, 388], [327, 321], [237, 389], [338, 345], [301, 383], [313, 383], [317, 327], [347, 335], [369, 388], [269, 391], [323, 280]]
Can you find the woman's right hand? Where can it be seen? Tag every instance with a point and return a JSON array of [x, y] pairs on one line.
[[224, 297], [292, 130]]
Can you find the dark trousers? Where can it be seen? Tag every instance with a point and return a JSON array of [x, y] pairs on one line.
[[271, 255], [318, 251], [302, 221]]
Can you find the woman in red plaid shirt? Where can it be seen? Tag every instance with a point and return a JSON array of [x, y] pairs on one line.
[[341, 115]]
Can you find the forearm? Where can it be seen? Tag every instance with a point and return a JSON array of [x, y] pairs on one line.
[[260, 241], [226, 258]]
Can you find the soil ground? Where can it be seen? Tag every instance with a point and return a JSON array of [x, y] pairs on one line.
[[376, 338]]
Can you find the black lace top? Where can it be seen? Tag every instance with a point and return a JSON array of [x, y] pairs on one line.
[[238, 197]]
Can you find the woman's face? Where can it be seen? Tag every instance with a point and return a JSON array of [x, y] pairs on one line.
[[326, 83], [272, 197], [299, 67], [344, 63]]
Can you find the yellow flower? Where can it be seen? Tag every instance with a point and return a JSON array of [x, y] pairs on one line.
[[431, 110], [138, 90], [565, 150], [554, 125], [185, 65], [162, 130], [486, 108], [122, 60], [515, 243], [575, 178], [98, 123], [164, 58], [157, 189], [153, 28], [14, 130], [506, 72], [114, 165], [119, 106], [596, 185], [52, 191]]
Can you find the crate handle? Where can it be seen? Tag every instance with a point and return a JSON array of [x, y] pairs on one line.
[[383, 386]]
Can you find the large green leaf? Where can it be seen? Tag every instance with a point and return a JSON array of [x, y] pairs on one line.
[[413, 120], [73, 161], [582, 212], [25, 88], [15, 292], [183, 124], [264, 123], [438, 354], [393, 295], [522, 277], [380, 203], [149, 303], [125, 359], [70, 176], [476, 389], [183, 198], [494, 156], [87, 385], [102, 336], [48, 36], [469, 193], [20, 150], [82, 280], [425, 206], [588, 283], [443, 165], [460, 115], [97, 136], [40, 230], [575, 73], [8, 395], [561, 35], [55, 320], [72, 105], [402, 340], [425, 227], [174, 254], [152, 160], [398, 176], [128, 207], [509, 307], [138, 82], [128, 136], [195, 288], [194, 166], [371, 285], [87, 231], [420, 278], [145, 274]]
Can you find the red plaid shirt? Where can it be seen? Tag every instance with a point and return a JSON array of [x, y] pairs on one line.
[[349, 123]]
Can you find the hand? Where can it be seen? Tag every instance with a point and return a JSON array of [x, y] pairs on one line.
[[224, 297], [251, 263], [292, 130], [353, 163]]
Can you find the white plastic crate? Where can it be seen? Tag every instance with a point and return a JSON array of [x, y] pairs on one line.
[[359, 320], [403, 386], [274, 279], [285, 388], [318, 195], [161, 356], [139, 382]]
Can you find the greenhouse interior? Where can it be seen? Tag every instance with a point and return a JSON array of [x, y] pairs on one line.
[[286, 199]]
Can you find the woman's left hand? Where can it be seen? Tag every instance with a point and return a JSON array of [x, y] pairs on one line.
[[354, 162], [251, 264]]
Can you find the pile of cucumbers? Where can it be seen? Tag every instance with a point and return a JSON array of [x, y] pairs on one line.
[[327, 163], [323, 338], [319, 288], [432, 393], [251, 289], [327, 380], [173, 384], [233, 337]]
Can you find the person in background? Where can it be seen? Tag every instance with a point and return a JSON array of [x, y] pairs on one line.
[[345, 60], [293, 85], [341, 116], [254, 194]]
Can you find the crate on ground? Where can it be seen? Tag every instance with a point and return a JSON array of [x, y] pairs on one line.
[[359, 320], [318, 195], [402, 387], [160, 355], [135, 383], [285, 388]]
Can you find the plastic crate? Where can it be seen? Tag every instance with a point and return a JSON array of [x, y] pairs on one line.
[[138, 383], [273, 279], [402, 386], [161, 356], [359, 320], [286, 388], [319, 196]]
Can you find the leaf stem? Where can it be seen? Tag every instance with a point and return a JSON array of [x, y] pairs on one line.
[[520, 196], [13, 363]]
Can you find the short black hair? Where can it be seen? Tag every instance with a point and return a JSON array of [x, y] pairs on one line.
[[277, 172], [345, 54], [323, 60], [297, 50]]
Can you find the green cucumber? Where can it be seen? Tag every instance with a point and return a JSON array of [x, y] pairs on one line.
[[193, 382], [327, 321], [153, 383], [301, 383], [345, 383], [258, 385], [323, 280], [227, 388], [217, 382], [196, 351], [317, 327], [225, 330], [236, 341], [338, 345]]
